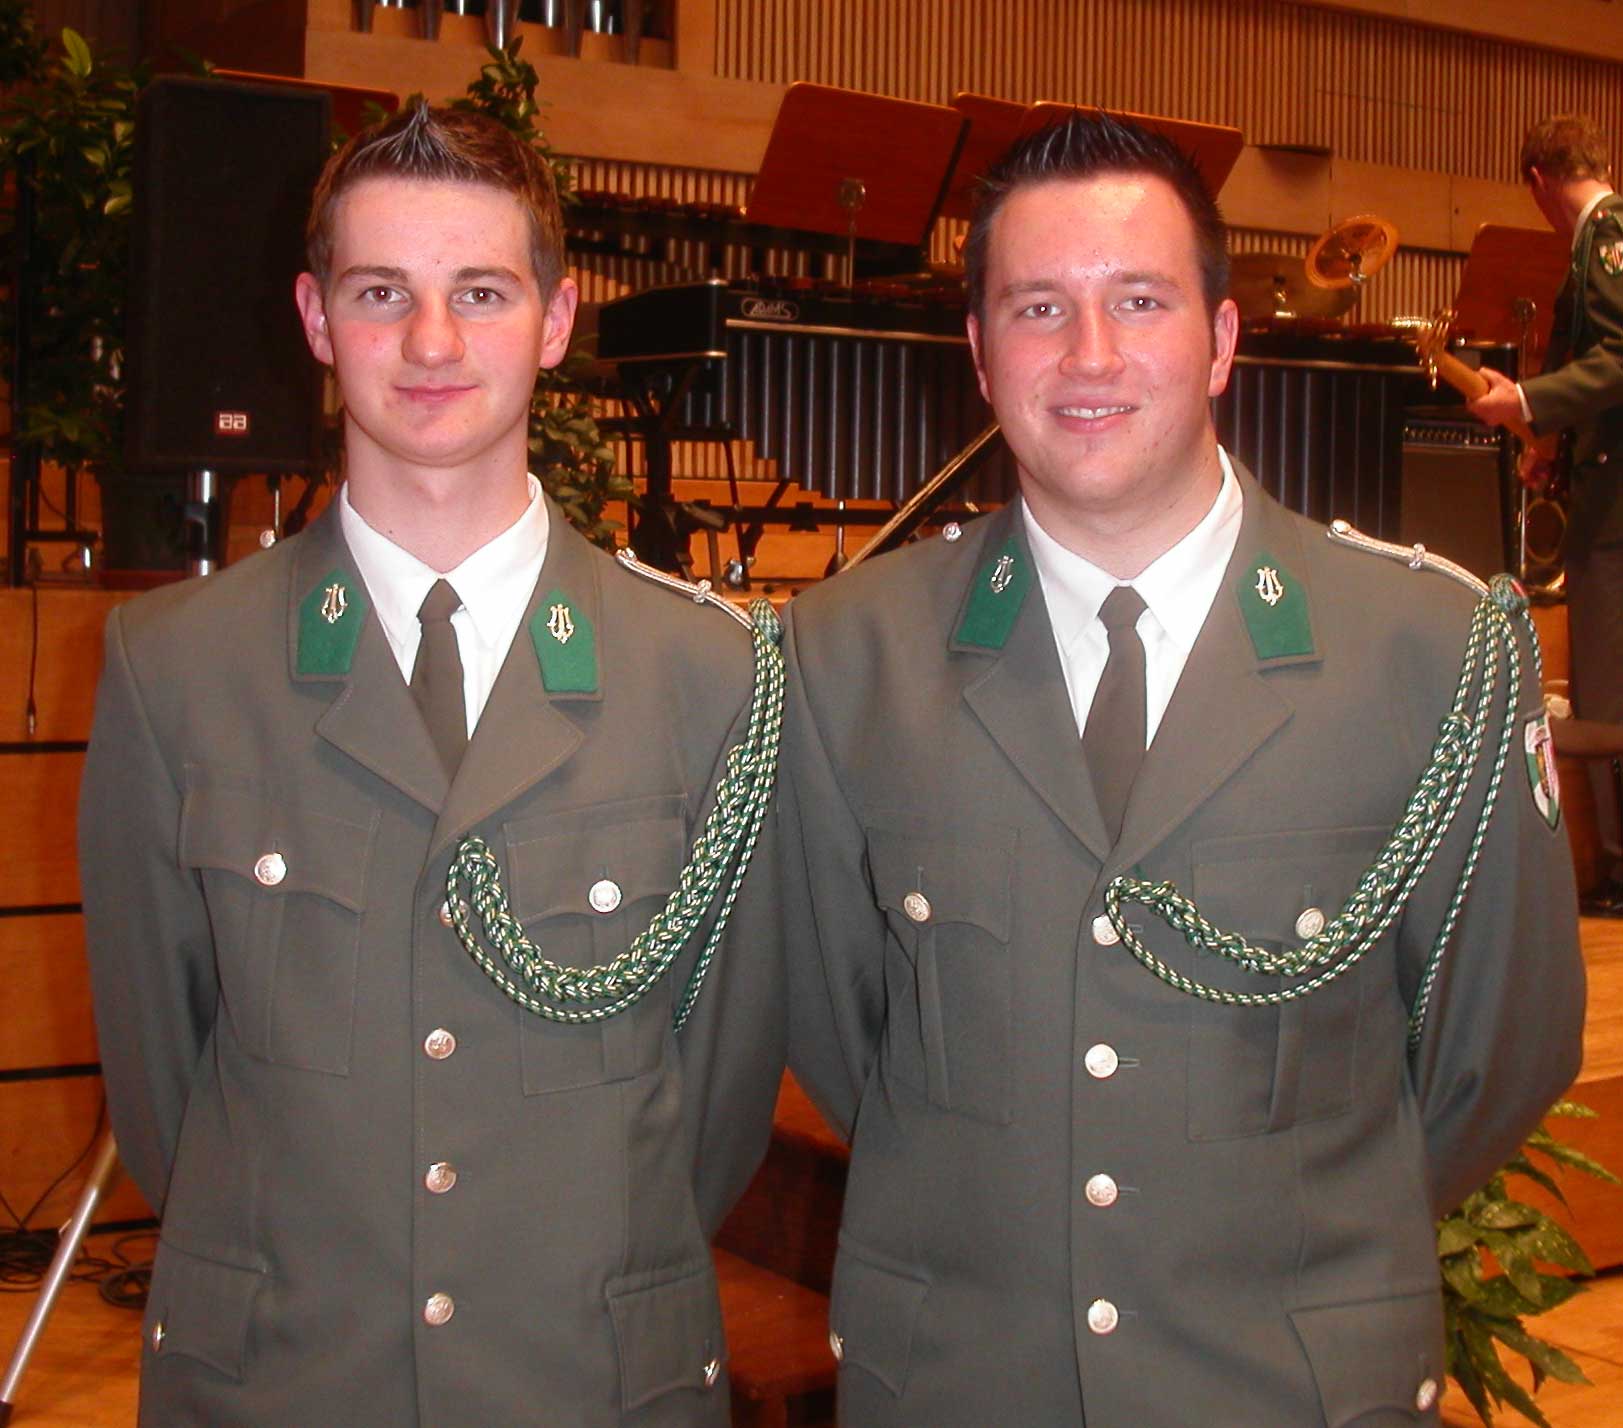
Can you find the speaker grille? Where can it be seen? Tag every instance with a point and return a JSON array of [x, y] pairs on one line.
[[219, 375]]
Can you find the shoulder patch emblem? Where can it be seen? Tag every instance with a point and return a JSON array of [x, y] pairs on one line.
[[330, 620], [1611, 257], [995, 598], [1274, 607], [565, 646], [1542, 780]]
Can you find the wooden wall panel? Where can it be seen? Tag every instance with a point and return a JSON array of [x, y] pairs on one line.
[[44, 1126], [39, 793], [1364, 87], [68, 649], [47, 992]]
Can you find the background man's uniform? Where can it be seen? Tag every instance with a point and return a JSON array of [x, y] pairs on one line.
[[1073, 1189], [389, 1194], [1582, 388]]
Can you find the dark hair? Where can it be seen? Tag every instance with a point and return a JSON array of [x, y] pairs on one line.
[[1086, 145], [442, 146], [1565, 146]]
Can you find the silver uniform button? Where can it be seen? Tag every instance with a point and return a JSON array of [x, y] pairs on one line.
[[604, 895], [1600, 458], [445, 913], [1426, 1395], [1103, 932], [712, 1371], [1100, 1190], [916, 906], [1310, 923], [440, 1178], [1102, 1316], [1101, 1060], [951, 531], [438, 1044], [438, 1309], [270, 869], [836, 1346], [158, 1332]]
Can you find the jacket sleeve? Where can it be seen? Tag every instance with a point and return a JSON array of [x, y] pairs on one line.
[[834, 935], [1503, 1035], [152, 967], [732, 1045], [1579, 390]]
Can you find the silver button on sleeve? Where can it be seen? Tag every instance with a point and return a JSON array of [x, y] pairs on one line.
[[270, 869]]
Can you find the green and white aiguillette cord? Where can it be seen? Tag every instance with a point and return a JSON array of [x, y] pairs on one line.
[[707, 888], [1491, 651]]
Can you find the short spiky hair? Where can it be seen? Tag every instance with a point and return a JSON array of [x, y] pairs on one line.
[[1565, 146], [442, 146], [1088, 145]]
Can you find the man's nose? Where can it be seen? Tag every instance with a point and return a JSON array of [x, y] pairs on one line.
[[432, 336], [1091, 349]]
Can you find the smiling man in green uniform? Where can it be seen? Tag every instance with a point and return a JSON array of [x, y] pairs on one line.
[[1101, 1172], [417, 1165]]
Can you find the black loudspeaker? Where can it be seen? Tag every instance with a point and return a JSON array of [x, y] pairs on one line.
[[1454, 495], [219, 376]]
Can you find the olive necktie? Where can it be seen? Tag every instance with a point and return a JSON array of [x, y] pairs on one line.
[[1113, 738], [436, 678]]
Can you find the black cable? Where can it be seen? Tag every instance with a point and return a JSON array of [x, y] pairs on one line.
[[25, 1254]]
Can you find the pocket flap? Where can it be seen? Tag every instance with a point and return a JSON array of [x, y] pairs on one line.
[[1375, 1356], [1259, 886], [203, 1306], [964, 881], [874, 1309], [668, 1334], [230, 828], [639, 845]]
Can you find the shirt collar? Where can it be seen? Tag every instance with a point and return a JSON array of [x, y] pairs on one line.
[[491, 582], [1584, 216], [1178, 586]]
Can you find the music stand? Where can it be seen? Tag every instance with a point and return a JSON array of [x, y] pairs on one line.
[[897, 152], [995, 124], [1214, 148], [1506, 270]]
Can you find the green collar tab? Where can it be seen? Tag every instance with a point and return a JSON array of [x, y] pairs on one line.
[[996, 597], [565, 645], [330, 620], [1275, 609]]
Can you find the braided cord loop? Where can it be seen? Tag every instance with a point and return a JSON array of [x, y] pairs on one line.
[[1387, 884], [708, 884]]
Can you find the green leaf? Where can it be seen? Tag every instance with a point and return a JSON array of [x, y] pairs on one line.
[[1454, 1234], [77, 53], [1505, 1215], [1545, 1357]]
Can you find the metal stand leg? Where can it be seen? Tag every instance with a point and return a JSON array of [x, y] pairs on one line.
[[102, 1169]]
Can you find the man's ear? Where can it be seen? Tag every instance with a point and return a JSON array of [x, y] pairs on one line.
[[972, 325], [313, 315], [560, 322]]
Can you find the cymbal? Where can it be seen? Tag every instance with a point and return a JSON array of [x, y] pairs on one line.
[[1351, 252], [1265, 285]]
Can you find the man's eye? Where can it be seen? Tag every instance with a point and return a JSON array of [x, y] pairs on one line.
[[1139, 302], [1039, 309], [481, 297], [378, 294]]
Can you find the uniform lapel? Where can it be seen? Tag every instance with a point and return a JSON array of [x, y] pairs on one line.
[[372, 718], [1224, 707], [1020, 700], [526, 732]]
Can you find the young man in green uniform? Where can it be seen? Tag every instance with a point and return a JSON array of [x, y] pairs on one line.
[[1080, 1192], [393, 1190], [1580, 391]]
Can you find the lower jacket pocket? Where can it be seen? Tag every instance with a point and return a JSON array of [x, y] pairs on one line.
[[873, 1312], [668, 1333], [1376, 1361], [200, 1308]]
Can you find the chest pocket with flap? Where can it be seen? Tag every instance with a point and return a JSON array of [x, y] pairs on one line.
[[285, 883], [948, 904], [584, 883], [1258, 1069]]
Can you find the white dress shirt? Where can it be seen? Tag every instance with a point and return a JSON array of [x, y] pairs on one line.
[[495, 584], [1177, 588]]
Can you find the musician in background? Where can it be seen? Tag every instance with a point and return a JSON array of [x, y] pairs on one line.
[[1078, 1193], [1564, 163]]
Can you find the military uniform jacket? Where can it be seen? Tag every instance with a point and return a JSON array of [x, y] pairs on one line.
[[1074, 1190], [339, 1115], [1581, 387]]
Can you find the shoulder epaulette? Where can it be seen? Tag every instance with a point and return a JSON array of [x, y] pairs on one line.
[[699, 592], [1415, 556]]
